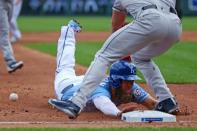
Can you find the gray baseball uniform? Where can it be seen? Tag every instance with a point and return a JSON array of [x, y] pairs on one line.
[[153, 32], [169, 3], [6, 7]]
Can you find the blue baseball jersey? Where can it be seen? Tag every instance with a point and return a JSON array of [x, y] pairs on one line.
[[104, 90]]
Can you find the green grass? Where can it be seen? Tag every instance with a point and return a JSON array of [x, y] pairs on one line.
[[100, 129], [89, 23], [189, 23], [53, 23], [178, 65], [85, 51], [179, 62]]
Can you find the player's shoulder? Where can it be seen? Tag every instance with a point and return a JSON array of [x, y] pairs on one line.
[[135, 85], [104, 82]]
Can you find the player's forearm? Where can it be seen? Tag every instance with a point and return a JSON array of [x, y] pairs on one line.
[[110, 109], [150, 102], [105, 105], [118, 20]]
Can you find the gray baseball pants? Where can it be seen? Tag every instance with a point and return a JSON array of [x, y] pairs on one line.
[[5, 15], [150, 35]]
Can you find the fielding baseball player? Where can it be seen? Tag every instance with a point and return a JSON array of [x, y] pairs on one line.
[[6, 7], [155, 29], [16, 34], [118, 87]]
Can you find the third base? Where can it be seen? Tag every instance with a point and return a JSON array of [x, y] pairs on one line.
[[147, 116]]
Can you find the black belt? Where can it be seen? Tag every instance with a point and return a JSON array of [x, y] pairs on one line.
[[172, 10], [149, 7]]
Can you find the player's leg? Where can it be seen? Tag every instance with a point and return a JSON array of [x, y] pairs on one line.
[[65, 77], [154, 77], [16, 34], [65, 72], [66, 50], [5, 45], [4, 37], [150, 70]]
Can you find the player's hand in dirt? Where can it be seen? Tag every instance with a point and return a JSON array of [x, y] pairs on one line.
[[127, 107]]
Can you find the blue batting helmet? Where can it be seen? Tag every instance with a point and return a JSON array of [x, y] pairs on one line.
[[122, 70]]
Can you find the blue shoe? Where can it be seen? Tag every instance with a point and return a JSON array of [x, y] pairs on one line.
[[12, 67], [74, 25], [68, 107], [168, 105]]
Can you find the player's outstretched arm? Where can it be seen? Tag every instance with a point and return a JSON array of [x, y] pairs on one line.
[[105, 105]]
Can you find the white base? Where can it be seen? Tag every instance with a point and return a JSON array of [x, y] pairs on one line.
[[147, 116]]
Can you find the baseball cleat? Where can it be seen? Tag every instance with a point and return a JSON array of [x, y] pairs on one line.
[[75, 25], [14, 66], [168, 105], [68, 107]]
